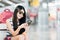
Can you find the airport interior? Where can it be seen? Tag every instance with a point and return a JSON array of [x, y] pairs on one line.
[[44, 15]]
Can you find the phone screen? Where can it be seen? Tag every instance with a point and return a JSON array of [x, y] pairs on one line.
[[29, 22]]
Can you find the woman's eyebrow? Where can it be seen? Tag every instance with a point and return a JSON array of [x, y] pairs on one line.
[[22, 11]]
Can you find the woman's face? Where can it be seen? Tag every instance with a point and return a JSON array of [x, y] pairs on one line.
[[20, 14]]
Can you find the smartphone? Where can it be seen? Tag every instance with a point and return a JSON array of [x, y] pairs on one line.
[[29, 22]]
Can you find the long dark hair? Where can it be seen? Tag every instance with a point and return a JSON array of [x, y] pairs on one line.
[[22, 20]]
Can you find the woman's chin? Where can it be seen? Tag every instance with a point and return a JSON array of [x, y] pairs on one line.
[[19, 18]]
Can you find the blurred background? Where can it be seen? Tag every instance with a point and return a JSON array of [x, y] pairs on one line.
[[44, 15]]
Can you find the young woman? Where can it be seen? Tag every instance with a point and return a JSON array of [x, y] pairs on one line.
[[20, 27]]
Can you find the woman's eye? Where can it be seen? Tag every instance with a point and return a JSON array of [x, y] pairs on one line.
[[21, 13]]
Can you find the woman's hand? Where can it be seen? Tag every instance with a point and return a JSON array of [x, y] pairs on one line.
[[23, 25]]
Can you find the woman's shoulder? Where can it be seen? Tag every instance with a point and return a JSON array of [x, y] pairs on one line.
[[9, 20]]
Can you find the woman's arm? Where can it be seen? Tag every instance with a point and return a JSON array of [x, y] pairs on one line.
[[9, 26], [25, 33]]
